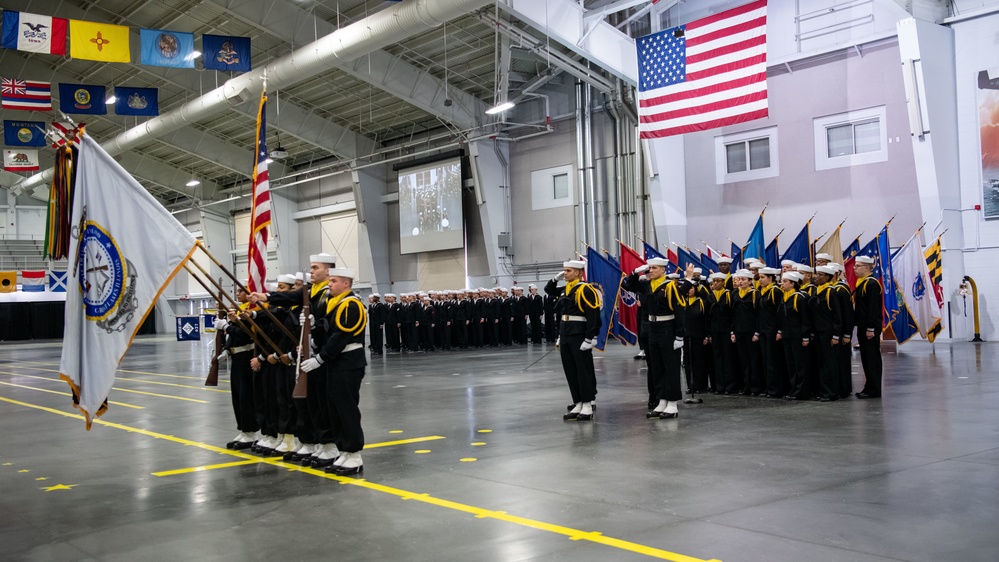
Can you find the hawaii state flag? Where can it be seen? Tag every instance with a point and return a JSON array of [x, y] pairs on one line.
[[34, 33], [26, 95]]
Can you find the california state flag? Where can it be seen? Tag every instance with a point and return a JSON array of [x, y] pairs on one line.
[[126, 249]]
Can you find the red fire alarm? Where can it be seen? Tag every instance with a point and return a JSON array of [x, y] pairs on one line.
[[978, 207]]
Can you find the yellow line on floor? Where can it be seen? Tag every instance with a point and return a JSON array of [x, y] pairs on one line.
[[68, 394], [119, 370], [478, 512], [117, 378], [402, 442], [206, 467], [115, 388]]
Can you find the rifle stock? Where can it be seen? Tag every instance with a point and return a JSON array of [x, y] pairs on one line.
[[213, 371], [302, 377]]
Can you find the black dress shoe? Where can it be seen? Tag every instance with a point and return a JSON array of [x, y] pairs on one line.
[[791, 398], [570, 416], [289, 456], [570, 407], [865, 396], [231, 445], [652, 414], [349, 471], [668, 415], [241, 445], [322, 463], [584, 417]]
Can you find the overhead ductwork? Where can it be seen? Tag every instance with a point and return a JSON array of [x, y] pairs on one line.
[[377, 31]]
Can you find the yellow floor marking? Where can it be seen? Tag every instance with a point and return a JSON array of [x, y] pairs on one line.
[[115, 388], [421, 451], [478, 443], [485, 431], [119, 370], [40, 479], [478, 512], [24, 470], [59, 487], [208, 467], [468, 459], [402, 442], [68, 394], [395, 431], [208, 388]]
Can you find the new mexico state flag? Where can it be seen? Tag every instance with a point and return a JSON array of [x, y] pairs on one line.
[[98, 41]]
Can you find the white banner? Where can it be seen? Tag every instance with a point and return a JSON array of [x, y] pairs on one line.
[[20, 160], [125, 249], [913, 280]]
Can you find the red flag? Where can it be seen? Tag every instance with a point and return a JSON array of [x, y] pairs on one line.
[[261, 209], [627, 308]]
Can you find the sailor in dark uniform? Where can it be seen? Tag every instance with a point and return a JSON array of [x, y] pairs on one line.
[[578, 306], [867, 317]]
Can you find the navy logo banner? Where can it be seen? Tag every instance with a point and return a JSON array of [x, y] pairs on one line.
[[82, 98], [222, 52], [136, 101]]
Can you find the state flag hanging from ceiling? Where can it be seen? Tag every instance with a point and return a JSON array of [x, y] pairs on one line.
[[222, 52], [23, 133], [26, 95], [82, 98], [160, 47], [136, 101], [709, 73], [34, 33], [20, 160], [104, 42]]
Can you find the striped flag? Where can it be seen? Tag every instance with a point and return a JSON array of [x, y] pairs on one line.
[[33, 281], [933, 257], [706, 74], [26, 95], [260, 216]]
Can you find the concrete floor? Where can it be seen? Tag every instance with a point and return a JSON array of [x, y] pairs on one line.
[[914, 476]]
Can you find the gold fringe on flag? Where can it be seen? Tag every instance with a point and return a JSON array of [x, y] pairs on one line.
[[57, 227]]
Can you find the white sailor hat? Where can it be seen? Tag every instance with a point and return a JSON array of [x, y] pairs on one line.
[[532, 286], [823, 257], [376, 295], [792, 263], [792, 276], [750, 260], [287, 279], [518, 288], [698, 270], [717, 276], [804, 268], [744, 273], [865, 259], [300, 276], [342, 272], [674, 275], [769, 271], [836, 266], [575, 264], [661, 262], [826, 269], [724, 259], [322, 258], [757, 265], [387, 295]]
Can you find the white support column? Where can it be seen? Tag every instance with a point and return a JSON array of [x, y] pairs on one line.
[[667, 189], [372, 228], [490, 171], [927, 53], [216, 232]]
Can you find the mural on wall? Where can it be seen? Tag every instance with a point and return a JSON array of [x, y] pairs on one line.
[[988, 122]]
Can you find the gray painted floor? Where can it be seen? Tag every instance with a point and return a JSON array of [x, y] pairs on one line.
[[914, 476]]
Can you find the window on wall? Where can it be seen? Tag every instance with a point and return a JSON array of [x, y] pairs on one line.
[[749, 155], [850, 139], [560, 185]]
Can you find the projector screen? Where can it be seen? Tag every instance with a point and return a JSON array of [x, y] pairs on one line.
[[430, 207]]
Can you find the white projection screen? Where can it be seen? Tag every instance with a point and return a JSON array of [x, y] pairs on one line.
[[430, 207]]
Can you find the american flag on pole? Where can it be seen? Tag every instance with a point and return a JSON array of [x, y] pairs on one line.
[[260, 216], [706, 74]]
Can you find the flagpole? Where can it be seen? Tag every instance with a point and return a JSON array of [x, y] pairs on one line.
[[274, 346], [269, 314]]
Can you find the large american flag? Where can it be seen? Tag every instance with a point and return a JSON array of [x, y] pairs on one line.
[[706, 74], [27, 95], [260, 216]]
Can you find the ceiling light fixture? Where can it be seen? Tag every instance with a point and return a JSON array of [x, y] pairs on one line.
[[500, 108], [111, 100], [193, 182]]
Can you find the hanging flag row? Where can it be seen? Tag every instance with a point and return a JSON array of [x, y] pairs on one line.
[[106, 42], [89, 99], [25, 134]]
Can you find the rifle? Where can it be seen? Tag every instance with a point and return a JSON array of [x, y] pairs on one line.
[[304, 345], [213, 371]]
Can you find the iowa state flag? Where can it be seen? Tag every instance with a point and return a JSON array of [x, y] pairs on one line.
[[222, 52], [34, 33]]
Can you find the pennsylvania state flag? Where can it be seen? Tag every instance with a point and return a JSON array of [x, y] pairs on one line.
[[167, 48], [226, 53], [99, 41], [136, 101]]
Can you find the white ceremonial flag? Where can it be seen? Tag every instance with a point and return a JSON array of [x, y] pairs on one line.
[[125, 249], [912, 277]]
